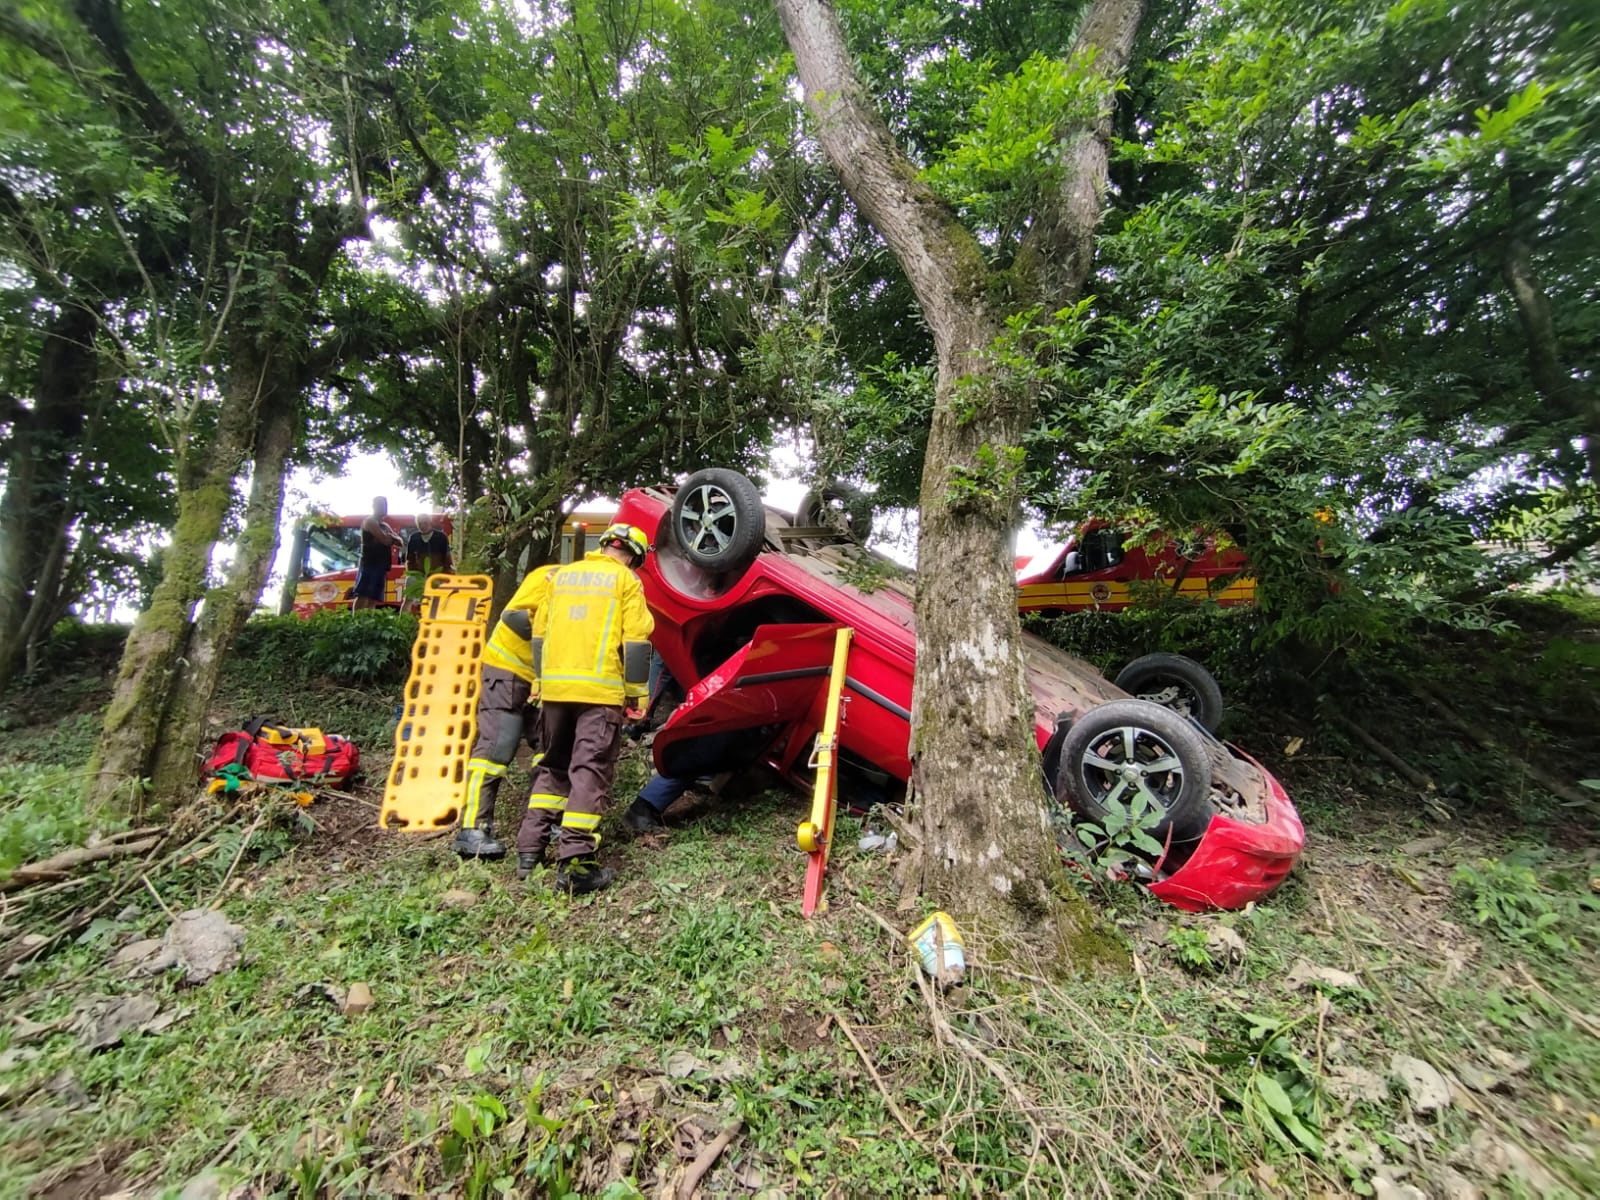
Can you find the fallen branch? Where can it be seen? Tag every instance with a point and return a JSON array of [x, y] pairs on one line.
[[14, 954], [894, 1109], [39, 891], [1582, 1020], [128, 835], [887, 928], [705, 1159], [58, 866], [1413, 776], [1556, 787]]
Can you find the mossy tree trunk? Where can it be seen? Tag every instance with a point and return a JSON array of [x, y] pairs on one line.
[[265, 222], [988, 847], [136, 717], [36, 510], [227, 606]]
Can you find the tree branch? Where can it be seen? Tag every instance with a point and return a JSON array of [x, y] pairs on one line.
[[1056, 253], [1560, 388], [103, 23], [940, 257]]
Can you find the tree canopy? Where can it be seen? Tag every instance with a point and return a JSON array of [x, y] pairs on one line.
[[1339, 305], [1340, 269]]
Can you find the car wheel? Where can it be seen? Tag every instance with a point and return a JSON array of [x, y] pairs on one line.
[[1050, 755], [839, 507], [1175, 682], [718, 520], [1128, 748]]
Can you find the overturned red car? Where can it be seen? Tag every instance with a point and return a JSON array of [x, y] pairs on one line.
[[746, 603]]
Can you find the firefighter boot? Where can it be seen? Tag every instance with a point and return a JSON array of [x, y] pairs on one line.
[[580, 876], [478, 841], [475, 838], [639, 817]]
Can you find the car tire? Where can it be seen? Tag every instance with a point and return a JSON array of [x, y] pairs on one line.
[[1050, 755], [718, 520], [839, 507], [1167, 756], [1175, 682]]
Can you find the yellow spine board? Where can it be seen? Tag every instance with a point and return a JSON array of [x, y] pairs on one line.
[[438, 722]]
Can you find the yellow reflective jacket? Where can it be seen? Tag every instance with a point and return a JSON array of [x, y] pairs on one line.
[[591, 633], [510, 645]]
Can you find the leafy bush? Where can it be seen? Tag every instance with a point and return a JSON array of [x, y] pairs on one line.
[[72, 644], [1507, 896], [41, 810], [1221, 639], [1281, 1096], [1190, 949], [356, 648]]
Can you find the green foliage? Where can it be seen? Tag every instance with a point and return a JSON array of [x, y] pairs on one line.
[[990, 482], [358, 648], [642, 157], [1301, 296], [1280, 1096], [468, 1152], [41, 811], [1190, 949], [1007, 157], [75, 646], [1507, 896], [1125, 836], [869, 572]]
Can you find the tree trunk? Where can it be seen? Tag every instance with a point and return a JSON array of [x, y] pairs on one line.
[[38, 477], [988, 841], [1576, 401], [136, 717], [227, 607], [988, 847]]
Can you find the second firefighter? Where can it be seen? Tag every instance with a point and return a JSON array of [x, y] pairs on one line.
[[591, 652]]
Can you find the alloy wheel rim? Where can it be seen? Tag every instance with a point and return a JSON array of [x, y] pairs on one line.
[[1130, 760]]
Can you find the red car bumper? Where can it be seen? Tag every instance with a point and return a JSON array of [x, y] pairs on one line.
[[1238, 862]]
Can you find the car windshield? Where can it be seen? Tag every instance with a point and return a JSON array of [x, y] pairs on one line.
[[329, 550]]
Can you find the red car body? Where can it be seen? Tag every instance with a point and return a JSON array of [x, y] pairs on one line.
[[1101, 568], [753, 650]]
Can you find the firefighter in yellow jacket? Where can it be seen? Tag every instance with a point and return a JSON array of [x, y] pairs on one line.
[[591, 650], [508, 694]]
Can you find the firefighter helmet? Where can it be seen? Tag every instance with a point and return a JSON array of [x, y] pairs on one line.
[[630, 537]]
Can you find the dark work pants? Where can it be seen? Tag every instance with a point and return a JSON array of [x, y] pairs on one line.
[[573, 783], [505, 719]]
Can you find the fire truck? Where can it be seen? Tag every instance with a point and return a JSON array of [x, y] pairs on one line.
[[326, 551], [1103, 566]]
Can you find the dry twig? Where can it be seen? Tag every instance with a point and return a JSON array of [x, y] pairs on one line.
[[1415, 777], [706, 1159], [58, 865], [866, 1061], [228, 874], [1582, 1020], [151, 888]]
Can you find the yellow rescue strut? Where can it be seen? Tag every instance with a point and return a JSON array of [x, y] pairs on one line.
[[815, 834]]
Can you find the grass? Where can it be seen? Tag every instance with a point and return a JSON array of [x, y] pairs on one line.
[[520, 1042]]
